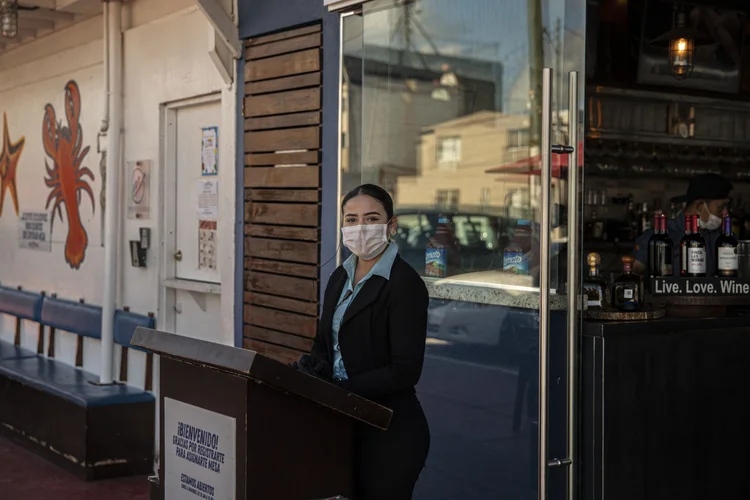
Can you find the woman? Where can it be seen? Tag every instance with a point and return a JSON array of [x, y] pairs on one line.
[[372, 334]]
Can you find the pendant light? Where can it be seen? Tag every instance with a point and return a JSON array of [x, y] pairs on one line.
[[9, 18], [680, 43]]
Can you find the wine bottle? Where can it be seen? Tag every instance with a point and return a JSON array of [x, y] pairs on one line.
[[594, 286], [692, 250], [727, 261], [660, 249], [627, 290]]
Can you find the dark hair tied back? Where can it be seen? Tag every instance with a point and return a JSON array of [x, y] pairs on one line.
[[372, 191]]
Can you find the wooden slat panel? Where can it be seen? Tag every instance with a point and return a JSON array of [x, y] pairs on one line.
[[291, 177], [283, 121], [284, 286], [288, 214], [281, 354], [251, 42], [280, 140], [285, 304], [295, 63], [283, 46], [290, 251], [294, 101], [285, 268], [297, 158], [282, 232], [286, 83], [292, 341], [283, 321], [290, 195]]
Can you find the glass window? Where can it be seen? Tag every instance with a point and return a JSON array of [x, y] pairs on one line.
[[518, 138], [448, 152]]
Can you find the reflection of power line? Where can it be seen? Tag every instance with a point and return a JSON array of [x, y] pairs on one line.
[[404, 22]]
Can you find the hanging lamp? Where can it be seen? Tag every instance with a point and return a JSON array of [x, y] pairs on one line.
[[9, 18], [681, 42]]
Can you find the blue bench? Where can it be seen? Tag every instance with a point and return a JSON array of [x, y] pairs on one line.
[[125, 324], [23, 306], [61, 411]]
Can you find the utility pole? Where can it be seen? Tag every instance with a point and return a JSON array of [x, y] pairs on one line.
[[536, 63]]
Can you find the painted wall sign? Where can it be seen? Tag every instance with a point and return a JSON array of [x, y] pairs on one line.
[[67, 177], [210, 151], [9, 157], [139, 199], [200, 455], [34, 232]]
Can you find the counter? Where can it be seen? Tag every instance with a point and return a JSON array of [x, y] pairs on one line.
[[665, 407], [494, 288]]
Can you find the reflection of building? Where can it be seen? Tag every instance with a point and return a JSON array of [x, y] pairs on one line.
[[453, 159], [394, 96]]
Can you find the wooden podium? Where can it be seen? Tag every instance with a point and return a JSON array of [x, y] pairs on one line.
[[235, 424]]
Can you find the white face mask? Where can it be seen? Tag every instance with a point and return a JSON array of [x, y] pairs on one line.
[[366, 241], [712, 224]]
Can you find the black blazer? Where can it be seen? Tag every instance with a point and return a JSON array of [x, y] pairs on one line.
[[382, 335]]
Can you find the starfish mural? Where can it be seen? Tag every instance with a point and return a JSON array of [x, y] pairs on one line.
[[8, 164]]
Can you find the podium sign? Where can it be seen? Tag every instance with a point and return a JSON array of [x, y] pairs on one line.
[[237, 425], [200, 455]]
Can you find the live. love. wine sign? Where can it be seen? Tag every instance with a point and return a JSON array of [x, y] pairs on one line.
[[718, 287]]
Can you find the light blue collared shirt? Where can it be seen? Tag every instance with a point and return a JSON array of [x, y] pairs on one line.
[[381, 268]]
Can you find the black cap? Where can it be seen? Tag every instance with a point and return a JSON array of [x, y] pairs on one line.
[[706, 187]]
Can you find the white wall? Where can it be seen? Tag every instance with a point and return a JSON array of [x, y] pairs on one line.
[[165, 60]]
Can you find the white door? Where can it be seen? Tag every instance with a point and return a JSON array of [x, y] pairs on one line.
[[192, 279], [197, 192]]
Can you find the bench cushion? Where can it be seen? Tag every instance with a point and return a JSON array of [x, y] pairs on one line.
[[125, 325], [70, 383], [73, 317], [10, 351], [25, 305]]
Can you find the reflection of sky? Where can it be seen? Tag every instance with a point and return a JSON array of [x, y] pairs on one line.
[[493, 30]]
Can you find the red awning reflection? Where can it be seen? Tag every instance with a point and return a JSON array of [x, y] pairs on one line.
[[532, 165]]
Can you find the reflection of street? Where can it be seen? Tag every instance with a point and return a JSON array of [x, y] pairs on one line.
[[478, 379], [474, 453]]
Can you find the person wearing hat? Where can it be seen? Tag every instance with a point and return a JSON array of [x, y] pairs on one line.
[[707, 197]]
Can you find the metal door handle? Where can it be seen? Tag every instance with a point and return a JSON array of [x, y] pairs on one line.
[[573, 290], [544, 275], [559, 149], [560, 462], [178, 255]]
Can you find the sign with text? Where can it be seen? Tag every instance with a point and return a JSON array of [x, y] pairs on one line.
[[716, 287], [35, 231], [200, 454]]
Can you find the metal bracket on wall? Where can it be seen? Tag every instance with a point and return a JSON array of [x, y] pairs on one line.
[[223, 25]]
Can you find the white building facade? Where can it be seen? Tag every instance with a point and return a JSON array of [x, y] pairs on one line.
[[172, 152]]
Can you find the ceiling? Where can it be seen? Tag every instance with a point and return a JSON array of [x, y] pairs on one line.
[[37, 18]]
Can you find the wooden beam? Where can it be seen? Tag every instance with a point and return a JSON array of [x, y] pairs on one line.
[[44, 4], [52, 15], [35, 24]]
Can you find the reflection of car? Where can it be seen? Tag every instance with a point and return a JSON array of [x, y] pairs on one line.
[[481, 236], [465, 322], [481, 333]]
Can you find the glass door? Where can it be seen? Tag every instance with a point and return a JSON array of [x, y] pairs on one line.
[[467, 112]]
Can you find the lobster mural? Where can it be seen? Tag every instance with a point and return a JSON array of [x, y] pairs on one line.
[[66, 177]]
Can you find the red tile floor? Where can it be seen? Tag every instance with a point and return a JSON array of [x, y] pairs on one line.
[[26, 476]]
